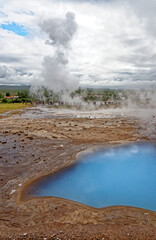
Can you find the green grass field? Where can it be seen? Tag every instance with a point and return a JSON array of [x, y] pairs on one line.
[[5, 107]]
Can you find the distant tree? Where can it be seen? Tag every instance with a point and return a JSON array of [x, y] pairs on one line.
[[24, 94], [1, 95], [17, 100], [7, 94], [19, 93], [4, 100]]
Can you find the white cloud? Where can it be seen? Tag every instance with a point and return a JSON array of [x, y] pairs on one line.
[[115, 43]]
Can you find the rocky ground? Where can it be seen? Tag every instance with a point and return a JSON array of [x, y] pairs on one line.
[[32, 147]]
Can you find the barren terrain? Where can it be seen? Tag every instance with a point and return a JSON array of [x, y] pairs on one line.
[[35, 146]]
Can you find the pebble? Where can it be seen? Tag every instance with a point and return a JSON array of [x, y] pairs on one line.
[[12, 191], [14, 132], [53, 235], [5, 131], [54, 136], [29, 137]]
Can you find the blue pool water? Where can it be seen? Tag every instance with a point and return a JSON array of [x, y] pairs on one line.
[[124, 175]]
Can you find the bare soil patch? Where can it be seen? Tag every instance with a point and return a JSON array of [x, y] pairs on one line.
[[30, 148]]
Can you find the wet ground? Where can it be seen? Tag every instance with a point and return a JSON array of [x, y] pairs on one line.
[[34, 144]]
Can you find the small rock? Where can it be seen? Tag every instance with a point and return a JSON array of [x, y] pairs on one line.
[[54, 136], [6, 131], [30, 137], [12, 191], [36, 160], [53, 235], [14, 132]]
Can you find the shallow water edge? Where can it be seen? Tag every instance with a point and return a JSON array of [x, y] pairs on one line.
[[24, 194]]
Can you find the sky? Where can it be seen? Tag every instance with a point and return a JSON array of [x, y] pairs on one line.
[[114, 44]]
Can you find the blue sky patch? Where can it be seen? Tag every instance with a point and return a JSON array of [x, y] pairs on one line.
[[13, 27]]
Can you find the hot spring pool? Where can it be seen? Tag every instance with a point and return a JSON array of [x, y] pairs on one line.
[[124, 175]]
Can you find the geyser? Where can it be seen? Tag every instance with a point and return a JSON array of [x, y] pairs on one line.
[[55, 72], [120, 175]]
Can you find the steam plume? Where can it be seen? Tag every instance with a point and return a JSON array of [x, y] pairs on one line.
[[55, 71]]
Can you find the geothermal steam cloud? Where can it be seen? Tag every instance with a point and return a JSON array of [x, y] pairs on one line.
[[55, 68]]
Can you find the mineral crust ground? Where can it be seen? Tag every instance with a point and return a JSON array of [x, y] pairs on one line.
[[33, 147]]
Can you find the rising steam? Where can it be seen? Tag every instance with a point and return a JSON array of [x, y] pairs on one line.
[[55, 68]]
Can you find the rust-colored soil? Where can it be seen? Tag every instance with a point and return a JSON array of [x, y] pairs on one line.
[[32, 148]]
